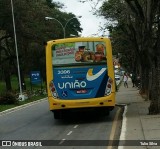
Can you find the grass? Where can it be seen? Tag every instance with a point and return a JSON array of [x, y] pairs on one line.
[[5, 107], [34, 98], [15, 84], [35, 94]]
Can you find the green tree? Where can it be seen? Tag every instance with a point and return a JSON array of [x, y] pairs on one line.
[[32, 31], [135, 20]]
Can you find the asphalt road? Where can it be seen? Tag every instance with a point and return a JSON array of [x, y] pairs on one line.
[[36, 122]]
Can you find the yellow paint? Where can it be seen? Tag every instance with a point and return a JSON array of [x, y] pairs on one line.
[[90, 72], [113, 129], [95, 102]]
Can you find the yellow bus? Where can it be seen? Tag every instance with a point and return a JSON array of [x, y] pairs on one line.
[[80, 74]]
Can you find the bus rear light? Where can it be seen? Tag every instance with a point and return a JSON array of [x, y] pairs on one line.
[[109, 86], [110, 80], [53, 90], [51, 84]]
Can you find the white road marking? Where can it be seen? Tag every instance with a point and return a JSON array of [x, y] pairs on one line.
[[75, 126], [62, 141], [69, 133], [123, 130]]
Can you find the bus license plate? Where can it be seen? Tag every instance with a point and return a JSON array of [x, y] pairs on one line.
[[81, 91]]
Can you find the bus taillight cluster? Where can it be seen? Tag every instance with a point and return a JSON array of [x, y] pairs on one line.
[[53, 90], [109, 86]]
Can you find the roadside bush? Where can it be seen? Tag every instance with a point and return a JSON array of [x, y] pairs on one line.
[[8, 98]]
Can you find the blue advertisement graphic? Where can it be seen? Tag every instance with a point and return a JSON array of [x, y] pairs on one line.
[[35, 77], [80, 83]]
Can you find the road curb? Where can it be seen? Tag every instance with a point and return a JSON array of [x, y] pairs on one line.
[[117, 104], [124, 123], [22, 106]]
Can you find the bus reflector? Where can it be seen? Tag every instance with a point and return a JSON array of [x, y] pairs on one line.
[[101, 103]]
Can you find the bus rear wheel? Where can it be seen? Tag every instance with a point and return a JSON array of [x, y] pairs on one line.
[[104, 111], [57, 114]]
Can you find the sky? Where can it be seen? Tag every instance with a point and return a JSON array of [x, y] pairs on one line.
[[89, 22]]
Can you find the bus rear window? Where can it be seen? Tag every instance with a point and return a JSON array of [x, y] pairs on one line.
[[78, 53]]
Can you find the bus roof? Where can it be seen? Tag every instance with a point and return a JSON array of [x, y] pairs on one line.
[[79, 39]]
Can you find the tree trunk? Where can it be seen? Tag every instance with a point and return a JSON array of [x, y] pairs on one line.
[[158, 83], [144, 81], [154, 107]]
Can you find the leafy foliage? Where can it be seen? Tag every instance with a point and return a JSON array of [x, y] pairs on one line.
[[32, 30], [8, 98], [136, 36]]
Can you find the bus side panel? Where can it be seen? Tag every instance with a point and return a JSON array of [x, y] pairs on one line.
[[49, 70], [110, 63]]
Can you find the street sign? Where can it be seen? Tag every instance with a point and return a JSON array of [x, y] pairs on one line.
[[35, 77]]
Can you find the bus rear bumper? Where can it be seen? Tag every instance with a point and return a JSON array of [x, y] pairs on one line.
[[103, 102]]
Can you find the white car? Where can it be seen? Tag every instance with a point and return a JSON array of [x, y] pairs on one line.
[[117, 79]]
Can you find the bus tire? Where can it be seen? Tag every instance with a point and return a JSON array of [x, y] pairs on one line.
[[103, 111], [57, 114], [107, 112]]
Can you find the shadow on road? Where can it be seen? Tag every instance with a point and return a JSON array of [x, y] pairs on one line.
[[83, 116]]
